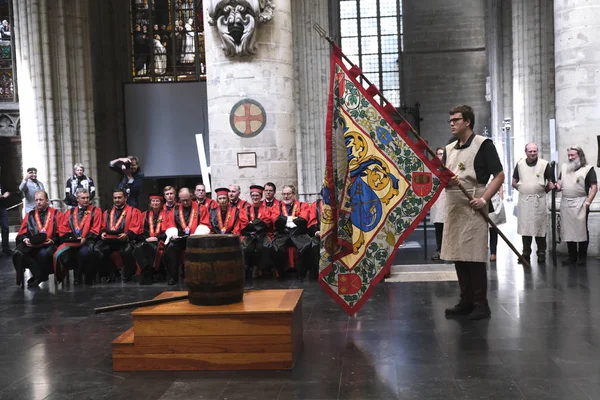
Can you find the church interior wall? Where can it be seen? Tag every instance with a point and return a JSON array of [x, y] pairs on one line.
[[444, 63]]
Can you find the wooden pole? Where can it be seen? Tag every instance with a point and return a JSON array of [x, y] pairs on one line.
[[143, 303], [324, 35]]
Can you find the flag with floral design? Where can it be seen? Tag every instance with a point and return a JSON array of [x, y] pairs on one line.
[[378, 186]]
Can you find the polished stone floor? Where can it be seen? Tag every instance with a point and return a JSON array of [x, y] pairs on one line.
[[542, 342]]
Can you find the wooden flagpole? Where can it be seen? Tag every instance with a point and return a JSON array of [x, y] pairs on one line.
[[424, 144]]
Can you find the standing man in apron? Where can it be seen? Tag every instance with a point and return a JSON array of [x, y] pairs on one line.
[[532, 178], [579, 184], [472, 158]]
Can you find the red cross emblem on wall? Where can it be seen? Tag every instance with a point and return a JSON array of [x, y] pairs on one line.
[[247, 118]]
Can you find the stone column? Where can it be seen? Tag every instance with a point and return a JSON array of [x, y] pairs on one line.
[[312, 61], [533, 75], [55, 91], [268, 78], [577, 58]]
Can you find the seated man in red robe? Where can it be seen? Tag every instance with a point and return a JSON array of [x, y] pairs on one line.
[[79, 230], [148, 253], [291, 222], [36, 241], [234, 197], [188, 218], [120, 227], [200, 193], [226, 219], [256, 242], [269, 192]]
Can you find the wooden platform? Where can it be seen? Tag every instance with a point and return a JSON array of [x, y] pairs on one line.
[[262, 332]]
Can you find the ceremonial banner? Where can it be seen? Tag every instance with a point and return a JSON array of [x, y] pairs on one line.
[[378, 186]]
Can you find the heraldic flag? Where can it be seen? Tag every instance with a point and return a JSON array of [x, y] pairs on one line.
[[378, 186]]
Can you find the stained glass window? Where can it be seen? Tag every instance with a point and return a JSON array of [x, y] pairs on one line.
[[167, 40], [371, 32], [7, 84]]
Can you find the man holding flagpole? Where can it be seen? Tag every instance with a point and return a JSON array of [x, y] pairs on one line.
[[473, 159]]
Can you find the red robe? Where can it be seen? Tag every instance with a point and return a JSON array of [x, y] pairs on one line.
[[163, 216], [316, 211], [241, 204], [90, 228], [29, 225], [209, 203], [237, 220], [264, 214], [131, 224], [174, 219], [274, 205]]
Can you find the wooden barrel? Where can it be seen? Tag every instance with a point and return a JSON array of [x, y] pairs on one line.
[[214, 269]]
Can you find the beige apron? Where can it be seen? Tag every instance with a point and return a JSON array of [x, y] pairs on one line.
[[573, 224], [437, 210], [465, 231], [531, 208]]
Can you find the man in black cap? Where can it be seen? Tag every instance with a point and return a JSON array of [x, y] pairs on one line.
[[29, 187], [257, 233], [36, 241]]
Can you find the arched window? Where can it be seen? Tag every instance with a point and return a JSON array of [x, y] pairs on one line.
[[371, 32], [167, 39], [7, 83]]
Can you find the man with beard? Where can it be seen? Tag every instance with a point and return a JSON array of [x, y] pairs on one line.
[[201, 199], [187, 218], [256, 241], [149, 252], [578, 184], [36, 241], [269, 192], [227, 219], [234, 198], [78, 231], [291, 222], [78, 181], [169, 195], [120, 227], [473, 159], [532, 177]]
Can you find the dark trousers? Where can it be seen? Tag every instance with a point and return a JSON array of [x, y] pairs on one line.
[[104, 249], [145, 254], [172, 256], [83, 260], [281, 243], [257, 250], [540, 241], [493, 240], [37, 259], [439, 234], [4, 228], [472, 279], [581, 252]]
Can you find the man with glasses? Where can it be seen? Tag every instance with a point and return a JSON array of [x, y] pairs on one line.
[[269, 192], [473, 159], [291, 231]]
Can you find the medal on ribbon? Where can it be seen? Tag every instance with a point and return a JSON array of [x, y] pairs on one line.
[[38, 221]]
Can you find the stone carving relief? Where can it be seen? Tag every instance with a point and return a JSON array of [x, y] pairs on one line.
[[237, 21], [9, 125]]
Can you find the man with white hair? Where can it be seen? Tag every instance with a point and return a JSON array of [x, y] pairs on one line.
[[234, 198], [78, 181], [578, 184]]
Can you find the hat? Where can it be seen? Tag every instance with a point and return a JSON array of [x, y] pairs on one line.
[[256, 189], [222, 191], [38, 238], [157, 196]]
